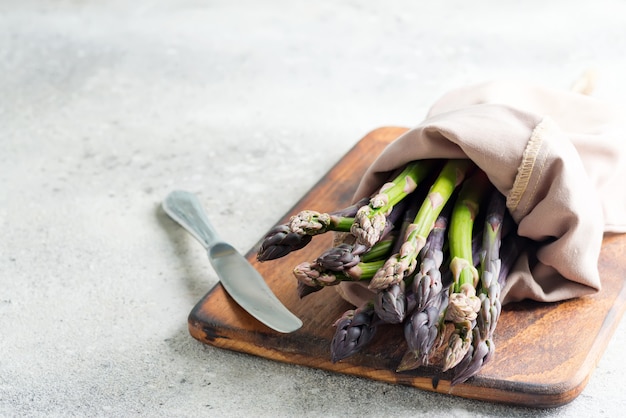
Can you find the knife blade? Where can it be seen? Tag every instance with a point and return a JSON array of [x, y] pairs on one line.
[[239, 278]]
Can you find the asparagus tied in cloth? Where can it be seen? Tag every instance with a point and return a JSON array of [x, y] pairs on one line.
[[437, 226], [529, 176]]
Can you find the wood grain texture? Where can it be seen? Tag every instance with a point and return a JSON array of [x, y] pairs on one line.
[[545, 352]]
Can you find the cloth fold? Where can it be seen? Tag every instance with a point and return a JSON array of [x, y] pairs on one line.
[[559, 158]]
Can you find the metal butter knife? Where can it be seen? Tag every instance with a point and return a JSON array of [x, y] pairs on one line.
[[240, 279]]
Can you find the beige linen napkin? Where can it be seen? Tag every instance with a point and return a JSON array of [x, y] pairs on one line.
[[559, 157]]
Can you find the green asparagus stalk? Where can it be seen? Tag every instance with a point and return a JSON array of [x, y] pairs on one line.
[[310, 222], [404, 262], [370, 220], [298, 231], [489, 293], [313, 275], [464, 213], [483, 347], [463, 304]]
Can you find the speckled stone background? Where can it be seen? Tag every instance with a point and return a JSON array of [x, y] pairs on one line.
[[105, 106]]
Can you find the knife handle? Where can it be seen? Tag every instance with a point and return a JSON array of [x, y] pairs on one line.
[[185, 208]]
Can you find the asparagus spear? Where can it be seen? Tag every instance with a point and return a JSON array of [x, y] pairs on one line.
[[404, 262], [428, 284], [341, 263], [463, 304], [491, 266], [483, 347], [370, 219], [310, 222], [422, 327], [297, 232], [312, 274], [420, 332], [479, 353], [391, 304], [355, 329], [280, 241], [339, 258]]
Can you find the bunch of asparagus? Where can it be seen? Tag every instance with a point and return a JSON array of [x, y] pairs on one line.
[[428, 243]]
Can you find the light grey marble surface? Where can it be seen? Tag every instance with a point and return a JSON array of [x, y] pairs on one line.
[[106, 106]]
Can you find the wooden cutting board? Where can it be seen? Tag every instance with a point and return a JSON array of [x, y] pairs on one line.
[[545, 352]]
